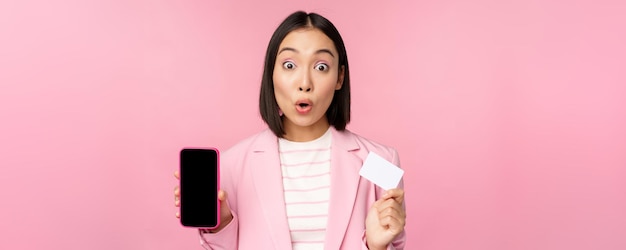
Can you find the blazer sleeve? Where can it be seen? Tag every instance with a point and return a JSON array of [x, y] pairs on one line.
[[400, 240], [225, 239]]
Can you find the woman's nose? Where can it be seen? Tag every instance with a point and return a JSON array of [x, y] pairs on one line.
[[306, 84]]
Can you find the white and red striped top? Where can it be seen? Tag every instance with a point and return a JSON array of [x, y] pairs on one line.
[[306, 183]]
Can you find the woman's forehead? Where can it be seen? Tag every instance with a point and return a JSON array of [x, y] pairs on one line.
[[308, 39]]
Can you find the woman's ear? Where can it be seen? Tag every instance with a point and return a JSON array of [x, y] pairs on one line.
[[342, 72]]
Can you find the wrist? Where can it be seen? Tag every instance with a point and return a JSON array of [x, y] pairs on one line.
[[221, 226], [374, 246]]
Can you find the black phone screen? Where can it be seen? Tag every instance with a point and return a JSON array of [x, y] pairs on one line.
[[199, 183]]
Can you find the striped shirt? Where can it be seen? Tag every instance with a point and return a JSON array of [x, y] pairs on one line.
[[306, 182]]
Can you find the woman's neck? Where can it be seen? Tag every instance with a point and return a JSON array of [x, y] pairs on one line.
[[303, 134]]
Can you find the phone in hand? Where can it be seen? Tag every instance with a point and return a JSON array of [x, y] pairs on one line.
[[199, 184]]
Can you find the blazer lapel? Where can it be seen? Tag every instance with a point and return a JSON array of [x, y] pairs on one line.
[[344, 174], [267, 176]]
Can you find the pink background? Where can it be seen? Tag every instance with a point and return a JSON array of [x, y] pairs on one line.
[[509, 117]]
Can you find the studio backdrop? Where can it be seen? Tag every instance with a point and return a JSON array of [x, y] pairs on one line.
[[509, 116]]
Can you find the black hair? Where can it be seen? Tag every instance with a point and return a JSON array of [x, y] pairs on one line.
[[338, 113]]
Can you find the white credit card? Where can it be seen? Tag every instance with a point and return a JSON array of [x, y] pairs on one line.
[[381, 172]]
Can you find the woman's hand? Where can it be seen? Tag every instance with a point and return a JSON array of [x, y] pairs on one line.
[[225, 214], [385, 220]]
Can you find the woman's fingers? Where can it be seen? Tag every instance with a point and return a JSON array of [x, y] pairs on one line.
[[177, 196], [221, 195], [391, 200], [397, 194], [391, 214], [224, 208], [393, 223], [391, 211]]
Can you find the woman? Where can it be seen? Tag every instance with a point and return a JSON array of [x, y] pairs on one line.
[[297, 184]]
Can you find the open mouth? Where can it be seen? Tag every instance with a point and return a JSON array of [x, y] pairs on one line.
[[303, 106]]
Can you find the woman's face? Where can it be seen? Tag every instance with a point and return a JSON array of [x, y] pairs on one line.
[[306, 75]]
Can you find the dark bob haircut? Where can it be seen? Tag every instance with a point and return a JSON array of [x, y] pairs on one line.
[[338, 114]]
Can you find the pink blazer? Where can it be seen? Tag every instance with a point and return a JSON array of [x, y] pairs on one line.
[[251, 175]]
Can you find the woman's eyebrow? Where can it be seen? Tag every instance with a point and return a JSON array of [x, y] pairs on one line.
[[325, 51], [287, 49], [316, 52]]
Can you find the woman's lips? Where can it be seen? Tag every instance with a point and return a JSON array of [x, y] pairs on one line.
[[303, 106]]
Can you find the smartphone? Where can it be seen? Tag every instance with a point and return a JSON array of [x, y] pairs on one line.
[[199, 183]]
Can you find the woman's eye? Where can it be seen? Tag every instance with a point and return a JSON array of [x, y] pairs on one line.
[[321, 67], [289, 65]]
